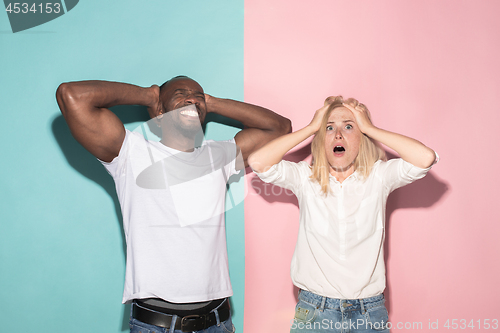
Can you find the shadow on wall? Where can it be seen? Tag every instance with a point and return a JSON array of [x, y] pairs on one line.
[[87, 165], [421, 194]]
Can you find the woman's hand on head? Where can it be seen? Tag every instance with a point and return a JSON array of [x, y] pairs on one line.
[[315, 123], [361, 117]]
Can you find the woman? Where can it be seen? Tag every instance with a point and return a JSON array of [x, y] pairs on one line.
[[338, 262]]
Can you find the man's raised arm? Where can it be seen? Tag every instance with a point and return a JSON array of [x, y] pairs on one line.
[[85, 105], [261, 125]]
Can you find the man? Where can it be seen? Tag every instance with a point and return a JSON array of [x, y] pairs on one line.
[[171, 193]]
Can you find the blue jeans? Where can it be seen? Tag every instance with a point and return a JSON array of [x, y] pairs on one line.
[[137, 326], [319, 314]]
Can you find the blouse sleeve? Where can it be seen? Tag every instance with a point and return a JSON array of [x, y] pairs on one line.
[[286, 174], [397, 172]]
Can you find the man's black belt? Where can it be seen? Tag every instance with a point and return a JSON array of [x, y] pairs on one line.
[[189, 323]]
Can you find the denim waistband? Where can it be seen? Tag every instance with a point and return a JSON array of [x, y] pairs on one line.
[[322, 302]]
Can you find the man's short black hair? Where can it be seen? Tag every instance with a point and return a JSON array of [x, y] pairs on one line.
[[177, 77]]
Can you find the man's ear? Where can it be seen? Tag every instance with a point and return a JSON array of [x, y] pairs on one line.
[[160, 109], [157, 119]]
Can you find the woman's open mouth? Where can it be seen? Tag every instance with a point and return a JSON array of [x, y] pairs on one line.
[[338, 150]]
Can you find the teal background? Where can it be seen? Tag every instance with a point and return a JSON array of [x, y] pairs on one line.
[[62, 255]]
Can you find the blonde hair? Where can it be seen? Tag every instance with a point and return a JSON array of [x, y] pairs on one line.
[[369, 149]]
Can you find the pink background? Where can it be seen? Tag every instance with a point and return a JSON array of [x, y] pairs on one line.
[[428, 69]]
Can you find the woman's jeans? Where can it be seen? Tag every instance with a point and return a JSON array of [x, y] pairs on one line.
[[319, 314]]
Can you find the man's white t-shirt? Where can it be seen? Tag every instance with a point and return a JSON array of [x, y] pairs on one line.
[[172, 204]]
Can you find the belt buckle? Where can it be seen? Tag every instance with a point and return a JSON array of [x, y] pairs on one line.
[[193, 323]]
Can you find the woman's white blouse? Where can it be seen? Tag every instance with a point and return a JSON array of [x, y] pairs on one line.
[[339, 251]]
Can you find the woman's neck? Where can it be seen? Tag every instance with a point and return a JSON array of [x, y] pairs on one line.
[[341, 174]]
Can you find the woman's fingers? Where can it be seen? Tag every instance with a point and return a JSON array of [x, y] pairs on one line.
[[329, 100], [361, 116]]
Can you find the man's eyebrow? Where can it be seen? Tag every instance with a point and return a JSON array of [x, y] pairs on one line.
[[183, 90]]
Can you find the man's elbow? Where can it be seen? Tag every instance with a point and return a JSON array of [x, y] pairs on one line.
[[67, 97], [284, 127]]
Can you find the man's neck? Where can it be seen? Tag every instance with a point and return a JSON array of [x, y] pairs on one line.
[[179, 142]]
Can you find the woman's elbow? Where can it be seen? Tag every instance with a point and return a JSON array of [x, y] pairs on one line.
[[252, 162], [429, 158], [256, 163]]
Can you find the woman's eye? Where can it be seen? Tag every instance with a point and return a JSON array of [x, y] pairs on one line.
[[329, 128], [348, 127]]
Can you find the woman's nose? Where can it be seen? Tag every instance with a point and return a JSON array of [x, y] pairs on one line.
[[338, 134]]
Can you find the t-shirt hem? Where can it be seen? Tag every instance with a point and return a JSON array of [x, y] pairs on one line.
[[177, 299]]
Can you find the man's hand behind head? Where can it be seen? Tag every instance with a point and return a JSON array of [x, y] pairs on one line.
[[154, 106]]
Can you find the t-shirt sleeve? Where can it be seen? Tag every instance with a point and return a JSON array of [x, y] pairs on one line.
[[116, 167], [223, 155], [232, 155], [286, 174], [397, 172]]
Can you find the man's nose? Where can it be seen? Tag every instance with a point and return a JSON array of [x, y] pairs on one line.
[[191, 99]]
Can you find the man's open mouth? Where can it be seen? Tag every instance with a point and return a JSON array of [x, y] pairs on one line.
[[189, 111]]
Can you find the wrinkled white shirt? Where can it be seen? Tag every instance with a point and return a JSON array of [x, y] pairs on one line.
[[340, 245]]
